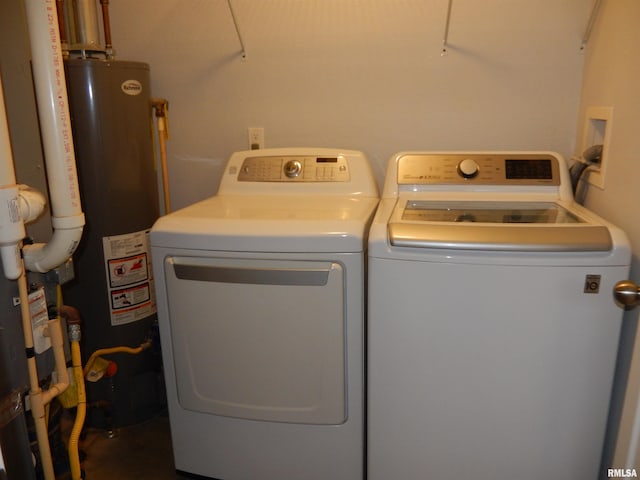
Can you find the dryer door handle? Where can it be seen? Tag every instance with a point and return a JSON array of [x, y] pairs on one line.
[[255, 276], [627, 294]]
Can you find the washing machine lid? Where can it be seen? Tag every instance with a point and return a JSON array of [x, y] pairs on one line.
[[244, 223], [496, 225]]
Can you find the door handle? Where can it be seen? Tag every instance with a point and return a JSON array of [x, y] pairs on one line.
[[627, 294]]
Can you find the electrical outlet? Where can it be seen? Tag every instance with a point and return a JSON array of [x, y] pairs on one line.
[[256, 138]]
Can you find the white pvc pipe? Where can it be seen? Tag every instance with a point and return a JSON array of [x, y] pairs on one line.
[[7, 173], [11, 225], [55, 125], [38, 398], [32, 203]]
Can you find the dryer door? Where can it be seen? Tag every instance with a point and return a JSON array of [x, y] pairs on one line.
[[259, 339]]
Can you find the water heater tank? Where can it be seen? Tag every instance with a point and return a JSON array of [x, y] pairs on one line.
[[110, 106]]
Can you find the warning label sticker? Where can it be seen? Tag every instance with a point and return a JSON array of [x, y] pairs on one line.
[[129, 277], [39, 320], [125, 271]]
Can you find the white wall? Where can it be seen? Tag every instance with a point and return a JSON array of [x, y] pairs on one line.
[[357, 74], [612, 71]]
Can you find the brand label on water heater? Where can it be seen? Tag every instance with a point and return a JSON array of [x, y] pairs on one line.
[[131, 87]]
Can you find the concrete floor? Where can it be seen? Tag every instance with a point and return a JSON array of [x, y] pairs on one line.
[[140, 452]]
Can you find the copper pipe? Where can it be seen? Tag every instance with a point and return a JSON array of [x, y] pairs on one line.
[[107, 24], [161, 106], [70, 314], [61, 26]]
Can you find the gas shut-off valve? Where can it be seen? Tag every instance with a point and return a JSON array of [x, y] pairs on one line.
[[627, 294]]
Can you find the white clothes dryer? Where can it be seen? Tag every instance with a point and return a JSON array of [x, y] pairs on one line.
[[492, 332], [260, 293]]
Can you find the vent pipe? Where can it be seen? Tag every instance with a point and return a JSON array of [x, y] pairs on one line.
[[80, 22], [11, 225], [82, 27], [53, 111]]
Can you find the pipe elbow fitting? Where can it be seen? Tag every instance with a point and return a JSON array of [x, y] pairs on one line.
[[32, 203], [67, 233], [70, 314], [11, 231]]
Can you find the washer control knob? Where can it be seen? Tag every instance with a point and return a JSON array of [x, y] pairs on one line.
[[292, 168], [468, 168]]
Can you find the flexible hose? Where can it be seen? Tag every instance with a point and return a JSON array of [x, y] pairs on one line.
[[576, 171], [72, 317], [107, 351], [591, 156], [81, 411]]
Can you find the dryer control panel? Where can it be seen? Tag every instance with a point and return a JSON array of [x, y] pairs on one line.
[[294, 168]]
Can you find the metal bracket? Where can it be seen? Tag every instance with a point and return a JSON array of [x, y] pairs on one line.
[[590, 23], [585, 37], [235, 23], [445, 37]]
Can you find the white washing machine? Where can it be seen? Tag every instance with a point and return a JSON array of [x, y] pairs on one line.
[[492, 328], [261, 310]]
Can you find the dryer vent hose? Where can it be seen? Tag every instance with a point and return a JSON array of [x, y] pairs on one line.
[[591, 156]]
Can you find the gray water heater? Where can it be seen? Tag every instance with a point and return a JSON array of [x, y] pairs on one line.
[[110, 107]]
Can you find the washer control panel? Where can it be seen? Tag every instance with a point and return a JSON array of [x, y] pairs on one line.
[[478, 168], [294, 168]]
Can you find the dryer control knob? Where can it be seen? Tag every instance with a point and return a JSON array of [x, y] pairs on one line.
[[468, 168], [292, 168]]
